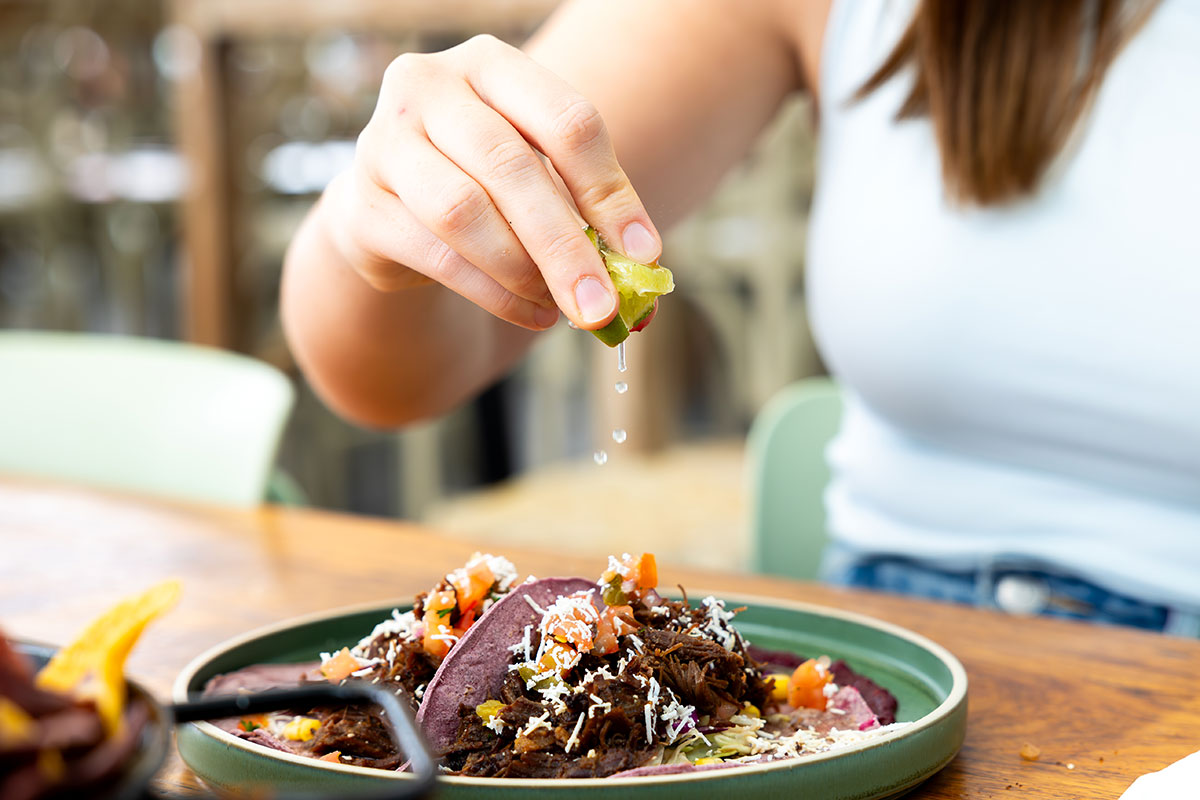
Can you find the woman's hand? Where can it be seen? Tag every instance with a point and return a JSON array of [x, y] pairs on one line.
[[449, 185], [475, 170]]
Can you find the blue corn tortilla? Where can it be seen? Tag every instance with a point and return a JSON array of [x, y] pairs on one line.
[[475, 668]]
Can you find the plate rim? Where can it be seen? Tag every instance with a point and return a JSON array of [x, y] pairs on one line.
[[954, 698]]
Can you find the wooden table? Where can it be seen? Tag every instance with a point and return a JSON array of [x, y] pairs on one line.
[[1104, 705]]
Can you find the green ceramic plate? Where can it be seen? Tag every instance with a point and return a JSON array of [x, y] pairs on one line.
[[929, 683]]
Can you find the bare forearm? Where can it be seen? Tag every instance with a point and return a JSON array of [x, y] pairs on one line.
[[685, 86], [474, 172], [385, 359]]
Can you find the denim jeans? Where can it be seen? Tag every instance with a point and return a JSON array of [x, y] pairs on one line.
[[1007, 587]]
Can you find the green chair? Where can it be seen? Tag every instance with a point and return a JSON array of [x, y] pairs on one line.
[[788, 474], [161, 418]]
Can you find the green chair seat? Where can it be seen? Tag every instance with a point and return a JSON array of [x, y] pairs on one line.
[[161, 418]]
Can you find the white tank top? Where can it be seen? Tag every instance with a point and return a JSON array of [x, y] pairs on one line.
[[1023, 383]]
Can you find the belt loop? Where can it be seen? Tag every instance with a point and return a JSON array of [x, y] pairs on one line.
[[1182, 623], [985, 583]]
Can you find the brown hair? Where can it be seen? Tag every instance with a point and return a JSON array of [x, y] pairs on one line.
[[1005, 82]]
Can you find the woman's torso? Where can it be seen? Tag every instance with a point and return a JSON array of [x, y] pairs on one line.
[[1023, 383]]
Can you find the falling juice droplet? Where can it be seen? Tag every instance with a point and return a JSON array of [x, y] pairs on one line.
[[572, 325], [600, 457], [622, 387], [619, 435], [621, 357]]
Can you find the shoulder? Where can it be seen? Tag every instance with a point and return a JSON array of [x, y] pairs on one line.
[[803, 23]]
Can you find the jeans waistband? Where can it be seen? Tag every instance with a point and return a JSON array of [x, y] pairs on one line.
[[1012, 588]]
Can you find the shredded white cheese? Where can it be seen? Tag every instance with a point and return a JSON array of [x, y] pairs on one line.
[[652, 696], [553, 692], [677, 716], [363, 671], [717, 625], [574, 740], [597, 706], [444, 635], [399, 625], [807, 740], [523, 646], [571, 616], [536, 722]]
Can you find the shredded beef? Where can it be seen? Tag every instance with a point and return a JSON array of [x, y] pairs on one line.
[[703, 673], [517, 713], [602, 730], [361, 737], [612, 736], [410, 668]]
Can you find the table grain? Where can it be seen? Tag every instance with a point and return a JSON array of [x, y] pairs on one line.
[[1102, 704]]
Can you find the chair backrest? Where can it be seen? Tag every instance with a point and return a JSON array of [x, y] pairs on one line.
[[788, 475], [155, 417]]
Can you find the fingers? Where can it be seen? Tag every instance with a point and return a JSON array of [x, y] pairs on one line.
[[389, 235], [566, 127], [482, 143], [455, 208], [455, 152]]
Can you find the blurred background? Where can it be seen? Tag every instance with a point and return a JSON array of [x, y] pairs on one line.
[[156, 157]]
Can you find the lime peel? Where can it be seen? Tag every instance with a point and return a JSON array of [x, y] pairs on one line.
[[638, 286]]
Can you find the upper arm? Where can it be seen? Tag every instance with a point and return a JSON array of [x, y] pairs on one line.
[[684, 86]]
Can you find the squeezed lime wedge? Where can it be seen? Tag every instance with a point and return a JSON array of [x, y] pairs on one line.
[[638, 286]]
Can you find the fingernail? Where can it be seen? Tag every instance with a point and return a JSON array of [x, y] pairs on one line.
[[595, 302], [639, 243], [545, 317]]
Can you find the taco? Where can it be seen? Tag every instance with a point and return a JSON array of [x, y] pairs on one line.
[[402, 652], [569, 677], [477, 667], [615, 680]]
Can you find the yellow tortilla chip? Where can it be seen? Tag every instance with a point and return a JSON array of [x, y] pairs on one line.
[[93, 666], [16, 727]]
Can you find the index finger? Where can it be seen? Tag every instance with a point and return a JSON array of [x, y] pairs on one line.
[[569, 130]]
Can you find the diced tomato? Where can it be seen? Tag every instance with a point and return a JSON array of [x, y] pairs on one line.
[[622, 619], [557, 658], [606, 640], [253, 722], [439, 606], [646, 571], [472, 588], [638, 574], [572, 624], [465, 621], [338, 668], [806, 687], [614, 622]]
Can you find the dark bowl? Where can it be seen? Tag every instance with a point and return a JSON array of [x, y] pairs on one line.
[[151, 750]]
